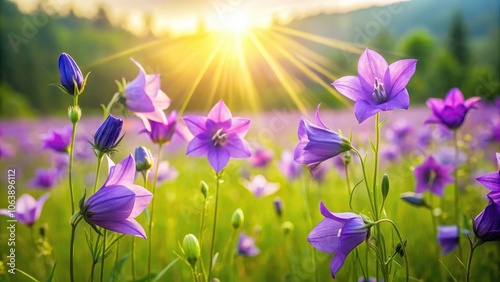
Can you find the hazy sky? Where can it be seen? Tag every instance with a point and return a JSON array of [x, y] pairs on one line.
[[182, 15]]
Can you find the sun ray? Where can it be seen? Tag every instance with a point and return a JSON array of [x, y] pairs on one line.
[[280, 73], [200, 75], [248, 84]]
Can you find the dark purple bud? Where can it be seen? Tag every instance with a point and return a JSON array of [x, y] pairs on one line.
[[143, 159], [106, 136], [278, 206], [70, 73], [414, 199]]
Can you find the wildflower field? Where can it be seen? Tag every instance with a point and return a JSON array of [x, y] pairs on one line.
[[349, 178]]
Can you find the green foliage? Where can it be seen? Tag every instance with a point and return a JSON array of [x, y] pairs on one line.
[[457, 41]]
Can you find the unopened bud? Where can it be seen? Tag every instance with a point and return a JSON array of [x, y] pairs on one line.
[[204, 189], [400, 249], [191, 248], [414, 199], [385, 186], [237, 219], [287, 227], [278, 206], [43, 230], [74, 114], [347, 158], [143, 159]]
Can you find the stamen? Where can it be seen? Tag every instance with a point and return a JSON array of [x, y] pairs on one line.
[[219, 138], [379, 91]]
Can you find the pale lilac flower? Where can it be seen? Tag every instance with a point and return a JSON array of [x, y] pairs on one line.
[[261, 157], [166, 173], [45, 178], [27, 210], [338, 233], [260, 187], [432, 176], [218, 136], [116, 205], [58, 141], [378, 86], [451, 111], [144, 97], [246, 246], [288, 167], [318, 143]]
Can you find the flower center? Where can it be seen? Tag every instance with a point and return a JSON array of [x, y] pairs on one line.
[[429, 177], [379, 91], [219, 138]]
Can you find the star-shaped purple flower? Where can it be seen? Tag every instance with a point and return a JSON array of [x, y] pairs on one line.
[[491, 180], [116, 205], [338, 233], [58, 141], [219, 136], [451, 111], [28, 209], [378, 86], [432, 176]]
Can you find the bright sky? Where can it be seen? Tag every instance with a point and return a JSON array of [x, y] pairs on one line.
[[182, 16]]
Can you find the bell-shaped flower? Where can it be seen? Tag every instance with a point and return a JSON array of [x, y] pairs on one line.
[[219, 136], [260, 187], [431, 176], [487, 224], [246, 246], [144, 97], [116, 205], [378, 86], [451, 111], [58, 141], [162, 132], [338, 233], [318, 143], [27, 210]]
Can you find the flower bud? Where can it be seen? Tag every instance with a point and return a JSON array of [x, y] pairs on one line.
[[43, 230], [414, 199], [278, 206], [143, 159], [74, 114], [347, 158], [191, 248], [237, 219], [70, 74], [385, 186], [106, 136], [204, 189], [400, 249], [287, 227]]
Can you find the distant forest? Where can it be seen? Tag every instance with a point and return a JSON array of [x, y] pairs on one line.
[[460, 49]]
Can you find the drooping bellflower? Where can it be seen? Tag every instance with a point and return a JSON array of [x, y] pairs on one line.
[[378, 86], [451, 111], [318, 143], [338, 233], [219, 136], [116, 205], [431, 176], [28, 209]]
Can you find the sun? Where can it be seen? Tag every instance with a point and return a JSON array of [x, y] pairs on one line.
[[234, 22]]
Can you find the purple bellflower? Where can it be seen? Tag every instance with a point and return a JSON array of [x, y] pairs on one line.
[[246, 246], [491, 180], [318, 143], [338, 233], [451, 111], [261, 157], [260, 187], [487, 224], [219, 136], [288, 167], [166, 173], [116, 205], [44, 178], [432, 176], [162, 132], [144, 97], [448, 238], [58, 141], [107, 136], [378, 86], [70, 75], [28, 209]]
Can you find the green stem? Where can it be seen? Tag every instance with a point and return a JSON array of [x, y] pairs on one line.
[[202, 227], [375, 168], [70, 166], [363, 168], [105, 236], [434, 229], [193, 271], [115, 99], [309, 221], [401, 242], [230, 249], [95, 258], [217, 176], [456, 202], [151, 223], [469, 262], [117, 252], [71, 248], [99, 161]]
